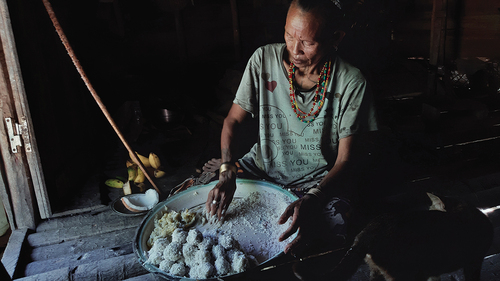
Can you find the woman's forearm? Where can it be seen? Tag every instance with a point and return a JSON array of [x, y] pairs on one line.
[[338, 178], [229, 130]]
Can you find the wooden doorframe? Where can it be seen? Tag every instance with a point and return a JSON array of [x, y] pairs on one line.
[[22, 184]]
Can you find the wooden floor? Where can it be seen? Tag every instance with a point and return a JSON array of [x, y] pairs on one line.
[[92, 242], [98, 246]]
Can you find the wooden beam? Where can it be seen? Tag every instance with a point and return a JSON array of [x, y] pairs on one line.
[[103, 218], [4, 195], [438, 24], [10, 258], [437, 30], [80, 245], [81, 231], [19, 110], [116, 268], [38, 267], [16, 188]]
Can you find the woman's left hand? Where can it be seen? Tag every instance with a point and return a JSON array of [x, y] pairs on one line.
[[304, 213]]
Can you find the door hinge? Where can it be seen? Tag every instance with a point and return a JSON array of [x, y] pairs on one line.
[[21, 130]]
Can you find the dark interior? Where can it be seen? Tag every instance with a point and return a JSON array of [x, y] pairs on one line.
[[438, 122]]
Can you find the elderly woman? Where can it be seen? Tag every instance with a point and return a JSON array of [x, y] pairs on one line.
[[311, 106]]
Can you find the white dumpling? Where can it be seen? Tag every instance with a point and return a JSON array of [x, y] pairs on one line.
[[194, 236], [178, 269], [189, 252], [202, 256], [202, 271], [222, 266], [155, 257], [179, 236], [227, 241], [165, 265], [161, 242], [156, 252], [218, 251], [207, 243], [232, 253], [239, 263], [173, 252]]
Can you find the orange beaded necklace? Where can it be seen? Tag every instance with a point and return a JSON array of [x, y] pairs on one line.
[[319, 97]]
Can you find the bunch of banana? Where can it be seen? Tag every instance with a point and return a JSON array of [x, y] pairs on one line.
[[136, 175], [152, 164]]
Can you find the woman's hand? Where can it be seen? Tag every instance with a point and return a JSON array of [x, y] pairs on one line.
[[221, 195], [304, 213]]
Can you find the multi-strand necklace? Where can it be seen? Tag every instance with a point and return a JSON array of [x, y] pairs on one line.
[[319, 97]]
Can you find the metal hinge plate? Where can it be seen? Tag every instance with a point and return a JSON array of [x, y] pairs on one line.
[[21, 130]]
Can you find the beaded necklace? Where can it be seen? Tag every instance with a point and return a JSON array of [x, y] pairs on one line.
[[319, 96]]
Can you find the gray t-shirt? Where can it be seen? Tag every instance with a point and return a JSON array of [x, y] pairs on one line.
[[289, 151]]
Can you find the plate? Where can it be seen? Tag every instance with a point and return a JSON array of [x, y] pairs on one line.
[[117, 206], [193, 198]]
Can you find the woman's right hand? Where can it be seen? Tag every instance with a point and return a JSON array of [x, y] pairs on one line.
[[222, 194]]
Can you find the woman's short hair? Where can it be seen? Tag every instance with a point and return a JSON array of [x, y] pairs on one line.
[[328, 11]]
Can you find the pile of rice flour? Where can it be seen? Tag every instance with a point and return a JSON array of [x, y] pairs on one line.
[[253, 222], [250, 221]]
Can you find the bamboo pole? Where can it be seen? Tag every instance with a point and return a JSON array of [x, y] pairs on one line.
[[85, 79]]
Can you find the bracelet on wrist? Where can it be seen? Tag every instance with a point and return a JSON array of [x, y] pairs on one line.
[[228, 166], [316, 192]]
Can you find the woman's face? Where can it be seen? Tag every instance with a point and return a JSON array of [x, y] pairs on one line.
[[302, 31]]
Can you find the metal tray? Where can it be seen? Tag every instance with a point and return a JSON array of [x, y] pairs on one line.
[[192, 198]]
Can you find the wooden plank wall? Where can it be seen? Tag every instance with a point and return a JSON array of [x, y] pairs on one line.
[[472, 29], [17, 195], [4, 147], [480, 29], [23, 174]]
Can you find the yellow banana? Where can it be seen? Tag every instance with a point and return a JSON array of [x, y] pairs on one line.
[[154, 160], [140, 177], [159, 173], [143, 159], [116, 183], [132, 172], [130, 163]]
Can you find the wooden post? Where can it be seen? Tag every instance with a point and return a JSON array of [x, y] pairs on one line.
[[23, 174], [12, 256], [438, 24], [437, 30]]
